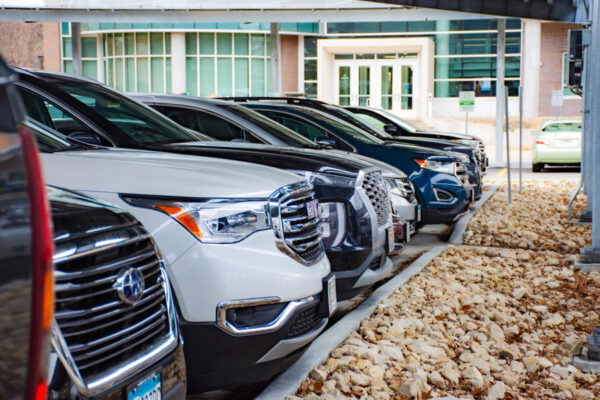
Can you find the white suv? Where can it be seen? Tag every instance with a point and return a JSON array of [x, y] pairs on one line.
[[242, 243]]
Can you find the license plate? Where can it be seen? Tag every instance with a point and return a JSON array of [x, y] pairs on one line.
[[472, 195], [148, 389], [331, 295], [419, 213], [407, 229], [312, 209], [566, 143], [391, 240]]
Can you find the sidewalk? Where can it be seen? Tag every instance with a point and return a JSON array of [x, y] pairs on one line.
[[501, 319]]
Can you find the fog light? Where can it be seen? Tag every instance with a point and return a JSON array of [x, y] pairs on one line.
[[443, 195], [333, 221], [245, 317]]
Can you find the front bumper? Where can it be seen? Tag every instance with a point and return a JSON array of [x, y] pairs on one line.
[[216, 358], [434, 211]]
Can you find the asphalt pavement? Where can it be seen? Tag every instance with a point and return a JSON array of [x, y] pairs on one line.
[[499, 175]]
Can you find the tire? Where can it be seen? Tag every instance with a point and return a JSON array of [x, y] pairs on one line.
[[537, 167]]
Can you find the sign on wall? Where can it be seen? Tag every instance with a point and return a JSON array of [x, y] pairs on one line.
[[557, 98], [466, 101]]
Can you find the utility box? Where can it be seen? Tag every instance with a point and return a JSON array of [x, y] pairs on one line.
[[575, 57]]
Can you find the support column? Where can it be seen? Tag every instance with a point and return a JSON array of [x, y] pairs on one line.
[[178, 72], [76, 48], [100, 56], [530, 67], [500, 49], [275, 60], [591, 254]]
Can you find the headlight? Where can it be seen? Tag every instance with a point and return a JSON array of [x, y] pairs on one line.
[[465, 159], [217, 221], [320, 178], [333, 221], [468, 142], [440, 166]]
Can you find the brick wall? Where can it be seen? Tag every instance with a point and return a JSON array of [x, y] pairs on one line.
[[289, 63], [553, 45], [31, 45]]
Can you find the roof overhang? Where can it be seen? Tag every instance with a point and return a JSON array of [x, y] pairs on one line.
[[553, 10], [174, 11]]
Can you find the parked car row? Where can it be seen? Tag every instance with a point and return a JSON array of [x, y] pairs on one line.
[[218, 233]]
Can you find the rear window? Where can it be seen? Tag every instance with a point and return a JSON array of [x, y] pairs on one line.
[[563, 127]]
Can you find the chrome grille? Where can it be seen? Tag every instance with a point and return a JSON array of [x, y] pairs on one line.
[[102, 333], [409, 189], [376, 191], [305, 321], [297, 229]]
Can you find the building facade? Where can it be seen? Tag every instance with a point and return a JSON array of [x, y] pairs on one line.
[[413, 68]]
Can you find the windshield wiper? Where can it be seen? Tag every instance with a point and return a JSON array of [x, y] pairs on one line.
[[73, 147]]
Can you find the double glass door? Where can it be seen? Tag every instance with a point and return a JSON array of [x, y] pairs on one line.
[[386, 84]]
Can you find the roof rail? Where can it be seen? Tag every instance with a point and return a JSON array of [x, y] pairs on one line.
[[289, 100]]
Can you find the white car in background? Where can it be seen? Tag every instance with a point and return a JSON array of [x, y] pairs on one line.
[[557, 142], [242, 244]]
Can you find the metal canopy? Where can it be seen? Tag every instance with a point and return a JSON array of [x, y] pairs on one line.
[[554, 10], [174, 11]]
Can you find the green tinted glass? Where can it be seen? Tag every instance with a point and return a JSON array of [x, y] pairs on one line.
[[258, 77], [168, 74], [224, 76], [242, 81], [207, 43], [129, 44], [191, 76], [310, 70], [387, 83], [207, 76], [141, 43], [190, 44], [156, 43], [143, 78], [241, 44], [344, 85], [310, 47], [119, 44], [257, 45], [224, 43], [119, 78], [88, 47], [130, 75], [157, 70], [67, 48]]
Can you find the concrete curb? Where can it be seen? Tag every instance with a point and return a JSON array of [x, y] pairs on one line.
[[287, 383], [459, 229]]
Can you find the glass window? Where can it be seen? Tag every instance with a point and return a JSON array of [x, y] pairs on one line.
[[191, 76], [565, 76], [158, 70], [208, 124], [563, 127], [224, 81], [371, 120], [143, 78], [310, 47], [67, 48], [190, 44], [90, 69], [207, 43], [484, 87], [129, 44], [88, 47], [257, 83], [310, 70], [156, 43], [207, 76], [297, 125], [224, 43], [141, 43], [310, 90], [241, 44], [119, 45], [130, 75], [242, 81], [474, 67], [257, 45]]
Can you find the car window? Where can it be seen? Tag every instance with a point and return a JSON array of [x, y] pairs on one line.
[[371, 120], [208, 124], [563, 127], [297, 125], [138, 122], [50, 114]]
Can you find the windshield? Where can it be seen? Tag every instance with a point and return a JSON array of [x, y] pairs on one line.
[[405, 124], [345, 128], [140, 123], [361, 123], [278, 131]]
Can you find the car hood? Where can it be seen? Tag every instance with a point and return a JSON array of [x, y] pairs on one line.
[[161, 174], [449, 135], [425, 142], [418, 151], [387, 169], [292, 158]]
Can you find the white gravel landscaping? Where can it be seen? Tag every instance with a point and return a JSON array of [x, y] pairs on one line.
[[476, 323]]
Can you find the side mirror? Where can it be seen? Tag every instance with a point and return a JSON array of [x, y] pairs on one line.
[[86, 137], [325, 142], [391, 129]]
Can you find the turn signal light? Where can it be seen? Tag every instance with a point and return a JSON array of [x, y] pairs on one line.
[[540, 141], [182, 217]]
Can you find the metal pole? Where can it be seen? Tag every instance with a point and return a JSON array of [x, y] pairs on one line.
[[499, 88], [467, 124], [275, 60], [587, 153], [507, 144], [520, 138], [591, 254], [76, 48]]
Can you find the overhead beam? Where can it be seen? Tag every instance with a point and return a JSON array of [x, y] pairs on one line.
[[377, 14]]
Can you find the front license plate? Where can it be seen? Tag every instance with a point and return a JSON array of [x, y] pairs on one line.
[[391, 240], [147, 389], [331, 295], [419, 213], [407, 229]]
